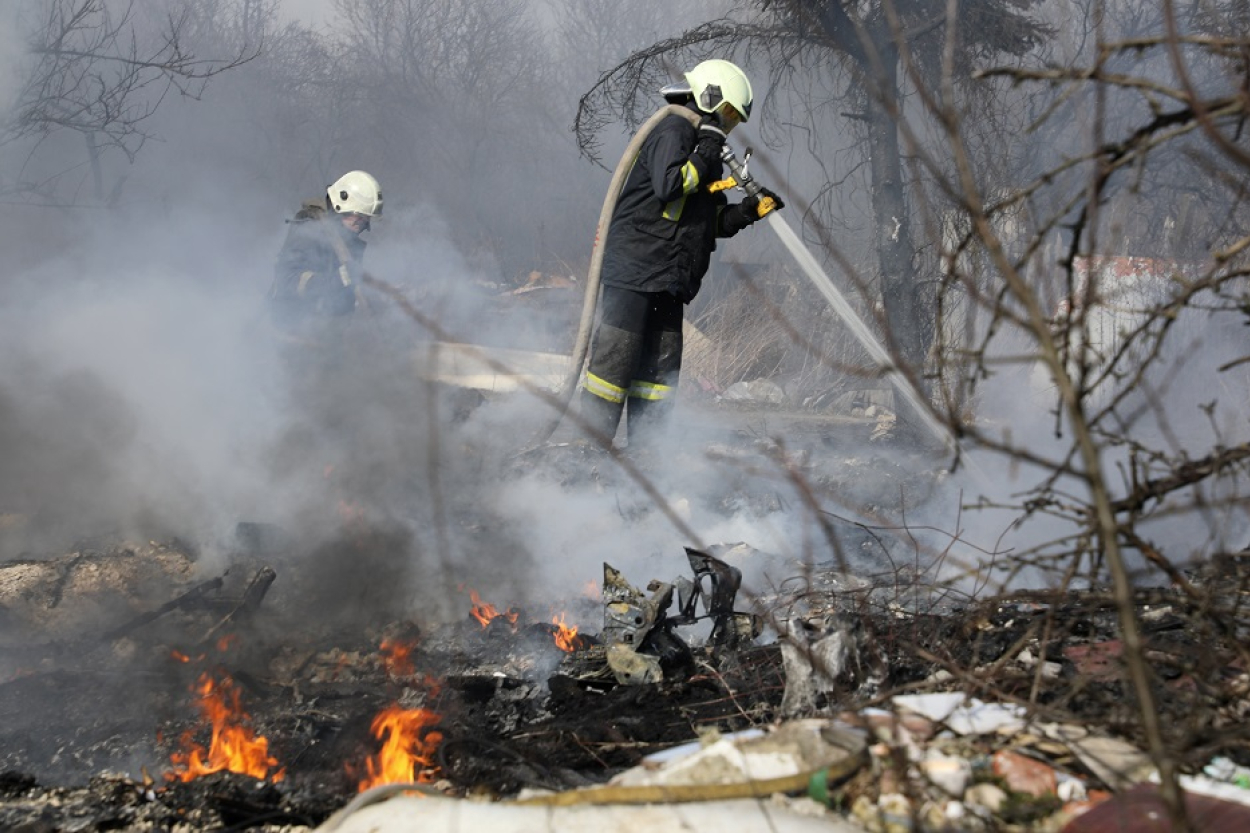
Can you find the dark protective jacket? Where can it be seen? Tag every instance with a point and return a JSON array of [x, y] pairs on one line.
[[664, 228], [317, 270]]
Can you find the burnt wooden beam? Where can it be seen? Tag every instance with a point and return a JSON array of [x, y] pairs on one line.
[[192, 595], [252, 597]]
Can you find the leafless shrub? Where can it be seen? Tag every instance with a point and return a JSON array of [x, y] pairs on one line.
[[102, 69], [1080, 215], [774, 326]]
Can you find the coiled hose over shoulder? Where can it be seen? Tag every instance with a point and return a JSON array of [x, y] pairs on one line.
[[581, 346]]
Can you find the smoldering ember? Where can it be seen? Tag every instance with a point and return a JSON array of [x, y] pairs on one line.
[[597, 414]]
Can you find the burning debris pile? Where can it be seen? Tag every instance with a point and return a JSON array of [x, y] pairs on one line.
[[203, 708], [222, 716]]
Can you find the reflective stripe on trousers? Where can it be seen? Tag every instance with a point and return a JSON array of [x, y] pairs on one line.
[[650, 391], [604, 389]]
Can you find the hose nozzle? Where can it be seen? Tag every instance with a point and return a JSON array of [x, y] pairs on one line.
[[744, 180]]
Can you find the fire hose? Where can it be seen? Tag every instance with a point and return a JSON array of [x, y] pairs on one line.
[[816, 784], [581, 346]]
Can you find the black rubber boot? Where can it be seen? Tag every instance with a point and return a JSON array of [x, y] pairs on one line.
[[600, 417], [647, 422]]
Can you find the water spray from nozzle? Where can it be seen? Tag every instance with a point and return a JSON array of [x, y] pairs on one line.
[[740, 177]]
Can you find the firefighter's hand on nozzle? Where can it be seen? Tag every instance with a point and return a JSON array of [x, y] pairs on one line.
[[763, 203], [711, 140]]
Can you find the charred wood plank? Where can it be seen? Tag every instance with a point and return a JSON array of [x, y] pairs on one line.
[[252, 597], [193, 595]]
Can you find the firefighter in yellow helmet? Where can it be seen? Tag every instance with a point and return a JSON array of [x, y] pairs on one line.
[[660, 241]]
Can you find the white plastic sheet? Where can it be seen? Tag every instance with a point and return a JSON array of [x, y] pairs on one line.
[[425, 814]]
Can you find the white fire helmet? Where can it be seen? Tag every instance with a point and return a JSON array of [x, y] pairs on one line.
[[356, 192], [716, 81]]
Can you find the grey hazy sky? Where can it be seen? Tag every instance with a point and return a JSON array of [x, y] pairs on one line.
[[311, 12]]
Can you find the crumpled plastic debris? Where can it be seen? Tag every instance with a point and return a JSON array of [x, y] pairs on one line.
[[791, 749], [964, 715]]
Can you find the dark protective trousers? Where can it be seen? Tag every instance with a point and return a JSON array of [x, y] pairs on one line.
[[635, 359]]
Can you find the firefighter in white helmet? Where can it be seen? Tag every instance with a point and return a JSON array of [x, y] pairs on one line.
[[660, 242], [319, 267]]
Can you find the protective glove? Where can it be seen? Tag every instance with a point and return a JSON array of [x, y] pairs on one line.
[[735, 218], [752, 204], [708, 148]]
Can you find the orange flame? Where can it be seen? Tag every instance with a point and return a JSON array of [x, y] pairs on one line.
[[485, 612], [234, 747], [408, 745], [565, 635], [397, 658], [432, 685]]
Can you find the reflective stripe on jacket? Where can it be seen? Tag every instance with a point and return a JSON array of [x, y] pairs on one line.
[[664, 228]]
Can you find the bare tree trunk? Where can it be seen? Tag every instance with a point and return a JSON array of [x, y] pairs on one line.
[[97, 175], [891, 221]]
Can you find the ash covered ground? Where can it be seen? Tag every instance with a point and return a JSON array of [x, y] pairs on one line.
[[108, 644]]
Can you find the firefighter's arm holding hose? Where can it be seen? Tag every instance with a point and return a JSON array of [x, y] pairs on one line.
[[680, 164]]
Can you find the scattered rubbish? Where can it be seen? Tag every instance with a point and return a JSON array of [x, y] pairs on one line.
[[405, 814], [630, 667], [985, 795], [757, 390], [799, 756], [510, 689], [1141, 810], [949, 773], [1223, 769], [1023, 774], [1116, 763], [634, 622], [657, 759], [815, 650], [1216, 788], [962, 714]]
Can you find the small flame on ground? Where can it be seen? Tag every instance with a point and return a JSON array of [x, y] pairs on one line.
[[485, 612], [565, 635], [234, 746], [397, 658], [408, 746]]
